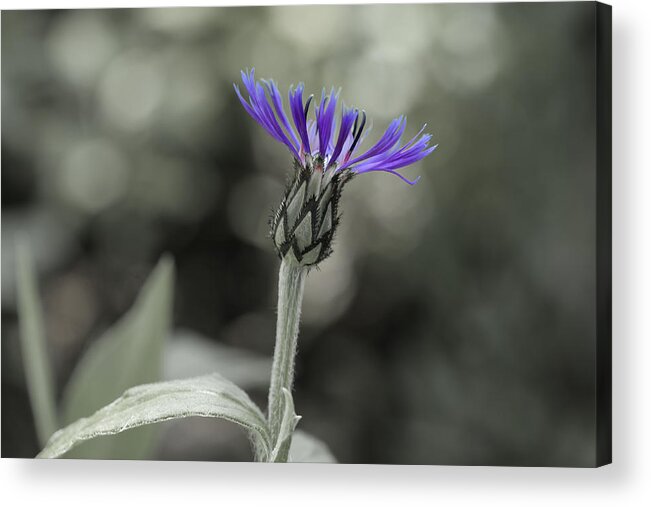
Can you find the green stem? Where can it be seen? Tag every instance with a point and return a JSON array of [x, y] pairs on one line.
[[291, 282]]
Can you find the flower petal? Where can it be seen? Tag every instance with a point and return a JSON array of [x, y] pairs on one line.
[[261, 111], [347, 118], [298, 113], [326, 120]]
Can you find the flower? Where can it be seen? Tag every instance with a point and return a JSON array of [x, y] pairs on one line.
[[324, 160]]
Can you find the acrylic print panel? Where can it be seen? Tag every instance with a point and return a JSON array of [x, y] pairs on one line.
[[354, 234]]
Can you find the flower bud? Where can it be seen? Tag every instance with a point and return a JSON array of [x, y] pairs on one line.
[[304, 225]]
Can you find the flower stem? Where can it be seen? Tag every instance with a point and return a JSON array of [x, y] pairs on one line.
[[291, 282]]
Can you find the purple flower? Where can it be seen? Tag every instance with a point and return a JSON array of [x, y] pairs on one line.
[[327, 154], [319, 142]]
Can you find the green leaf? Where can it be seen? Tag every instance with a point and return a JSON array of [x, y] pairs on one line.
[[287, 426], [307, 448], [207, 396], [34, 348], [128, 354]]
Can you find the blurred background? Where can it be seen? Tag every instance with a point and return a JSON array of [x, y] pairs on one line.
[[454, 323]]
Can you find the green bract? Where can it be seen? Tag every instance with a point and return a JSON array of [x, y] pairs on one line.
[[305, 223]]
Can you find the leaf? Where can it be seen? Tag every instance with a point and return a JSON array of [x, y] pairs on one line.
[[128, 354], [206, 396], [189, 354], [307, 448], [287, 427], [40, 382]]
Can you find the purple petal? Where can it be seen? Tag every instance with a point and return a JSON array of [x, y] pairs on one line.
[[296, 106], [395, 161], [347, 119], [312, 133], [277, 99], [326, 120], [390, 137], [388, 154], [260, 110]]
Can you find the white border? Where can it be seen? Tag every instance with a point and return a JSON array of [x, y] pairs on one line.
[[626, 482]]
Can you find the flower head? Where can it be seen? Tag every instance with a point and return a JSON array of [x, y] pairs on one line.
[[327, 153]]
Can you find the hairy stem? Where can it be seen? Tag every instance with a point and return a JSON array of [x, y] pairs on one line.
[[291, 281]]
